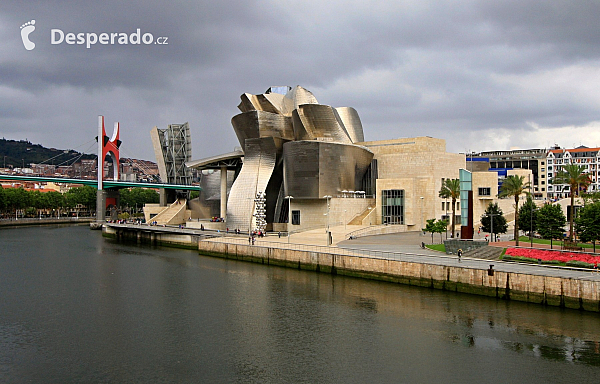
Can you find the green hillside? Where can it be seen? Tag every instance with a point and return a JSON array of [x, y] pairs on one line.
[[22, 153]]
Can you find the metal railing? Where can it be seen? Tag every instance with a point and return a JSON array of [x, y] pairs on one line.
[[381, 229], [389, 255]]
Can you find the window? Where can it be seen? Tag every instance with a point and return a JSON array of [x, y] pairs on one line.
[[485, 191], [443, 206], [543, 182], [392, 206], [295, 217]]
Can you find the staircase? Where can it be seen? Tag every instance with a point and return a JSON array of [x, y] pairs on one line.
[[487, 253], [358, 219], [174, 214]]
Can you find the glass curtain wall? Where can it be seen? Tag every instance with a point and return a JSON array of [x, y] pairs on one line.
[[392, 206]]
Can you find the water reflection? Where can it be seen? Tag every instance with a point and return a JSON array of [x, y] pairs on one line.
[[86, 309]]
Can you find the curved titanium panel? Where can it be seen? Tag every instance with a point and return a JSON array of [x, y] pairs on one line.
[[321, 121], [248, 103], [313, 169], [259, 162], [352, 123], [255, 124], [301, 96]]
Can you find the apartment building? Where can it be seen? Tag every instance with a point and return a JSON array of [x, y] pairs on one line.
[[557, 157]]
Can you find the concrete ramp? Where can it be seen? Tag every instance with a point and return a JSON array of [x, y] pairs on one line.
[[174, 214]]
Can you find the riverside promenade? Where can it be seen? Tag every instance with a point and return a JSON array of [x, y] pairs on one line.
[[404, 246], [393, 257], [399, 258], [11, 222]]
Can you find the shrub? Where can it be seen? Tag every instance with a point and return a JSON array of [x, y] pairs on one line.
[[579, 264]]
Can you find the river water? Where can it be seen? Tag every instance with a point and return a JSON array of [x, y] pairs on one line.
[[76, 307]]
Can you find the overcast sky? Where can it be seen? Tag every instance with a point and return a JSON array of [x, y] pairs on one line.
[[483, 75]]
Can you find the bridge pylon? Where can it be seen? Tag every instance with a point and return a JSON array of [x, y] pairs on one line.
[[106, 147]]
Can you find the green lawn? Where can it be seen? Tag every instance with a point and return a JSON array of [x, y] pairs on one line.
[[524, 240], [436, 247]]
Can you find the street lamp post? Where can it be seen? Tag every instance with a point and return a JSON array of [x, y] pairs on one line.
[[289, 199], [421, 221], [344, 219], [328, 233], [447, 219], [531, 229], [491, 215]]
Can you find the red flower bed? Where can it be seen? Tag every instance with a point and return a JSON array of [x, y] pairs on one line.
[[552, 255]]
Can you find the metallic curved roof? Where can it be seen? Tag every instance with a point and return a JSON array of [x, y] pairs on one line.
[[230, 160]]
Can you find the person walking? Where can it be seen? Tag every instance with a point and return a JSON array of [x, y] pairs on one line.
[[459, 253]]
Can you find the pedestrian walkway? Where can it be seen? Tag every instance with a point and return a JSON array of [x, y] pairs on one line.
[[403, 246]]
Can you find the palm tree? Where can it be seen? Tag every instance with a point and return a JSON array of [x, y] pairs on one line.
[[451, 190], [575, 176], [515, 186]]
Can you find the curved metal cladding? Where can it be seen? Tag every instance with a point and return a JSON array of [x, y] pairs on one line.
[[301, 96], [256, 124], [259, 162], [268, 102], [313, 169], [248, 103], [351, 122], [320, 121]]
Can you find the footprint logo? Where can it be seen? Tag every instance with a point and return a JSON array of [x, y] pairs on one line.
[[26, 29]]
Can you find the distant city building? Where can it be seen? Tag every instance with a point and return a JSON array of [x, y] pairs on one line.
[[138, 170], [504, 161], [589, 158]]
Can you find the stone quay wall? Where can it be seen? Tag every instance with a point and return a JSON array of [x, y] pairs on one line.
[[151, 235], [554, 291]]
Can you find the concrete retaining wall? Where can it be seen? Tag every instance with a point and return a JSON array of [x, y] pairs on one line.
[[453, 245], [141, 235], [555, 291]]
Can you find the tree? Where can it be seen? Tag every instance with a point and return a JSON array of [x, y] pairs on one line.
[[493, 216], [430, 227], [551, 222], [573, 175], [2, 199], [514, 186], [440, 227], [194, 195], [590, 197], [528, 216], [55, 200], [138, 197], [84, 195], [436, 226], [451, 190], [587, 223], [16, 198]]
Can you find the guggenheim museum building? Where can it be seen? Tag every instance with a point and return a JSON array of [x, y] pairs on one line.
[[301, 165]]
